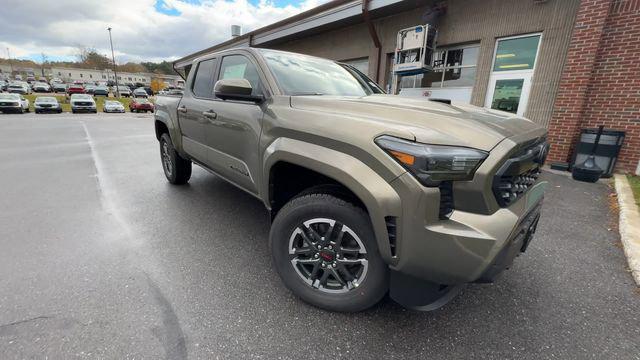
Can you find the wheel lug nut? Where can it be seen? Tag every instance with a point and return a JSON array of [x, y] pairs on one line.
[[324, 265], [319, 247], [338, 256], [316, 255], [322, 238], [330, 247], [334, 265]]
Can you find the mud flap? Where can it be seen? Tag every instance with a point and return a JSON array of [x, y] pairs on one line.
[[421, 295]]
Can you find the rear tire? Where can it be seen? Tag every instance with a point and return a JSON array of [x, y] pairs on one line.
[[176, 168], [357, 276]]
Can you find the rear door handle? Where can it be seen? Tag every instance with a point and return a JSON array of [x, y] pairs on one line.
[[182, 109], [210, 114]]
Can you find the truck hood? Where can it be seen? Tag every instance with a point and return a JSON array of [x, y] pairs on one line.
[[427, 121]]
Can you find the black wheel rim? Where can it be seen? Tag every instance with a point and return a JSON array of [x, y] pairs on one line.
[[167, 164], [328, 255]]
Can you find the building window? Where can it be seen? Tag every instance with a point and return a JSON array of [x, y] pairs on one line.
[[104, 77], [510, 81], [516, 54], [453, 67], [80, 75], [59, 73], [69, 74], [90, 76]]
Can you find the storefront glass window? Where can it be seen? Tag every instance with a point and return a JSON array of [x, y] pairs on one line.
[[506, 96], [516, 54], [453, 67]]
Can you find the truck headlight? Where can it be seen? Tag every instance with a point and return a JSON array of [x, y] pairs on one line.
[[431, 164]]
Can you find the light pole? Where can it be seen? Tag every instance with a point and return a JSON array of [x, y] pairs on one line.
[[113, 57], [10, 63]]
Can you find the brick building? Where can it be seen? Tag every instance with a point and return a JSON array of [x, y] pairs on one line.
[[600, 84], [565, 64]]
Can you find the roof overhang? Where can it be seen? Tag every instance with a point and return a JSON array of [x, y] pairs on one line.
[[332, 15]]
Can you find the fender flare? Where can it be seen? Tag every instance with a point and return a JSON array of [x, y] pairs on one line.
[[164, 117], [377, 195]]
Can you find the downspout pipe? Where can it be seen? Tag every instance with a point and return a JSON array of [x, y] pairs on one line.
[[374, 36]]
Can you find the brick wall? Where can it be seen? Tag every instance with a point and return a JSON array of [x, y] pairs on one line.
[[601, 79]]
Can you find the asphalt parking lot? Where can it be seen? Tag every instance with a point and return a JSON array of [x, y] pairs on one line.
[[101, 258]]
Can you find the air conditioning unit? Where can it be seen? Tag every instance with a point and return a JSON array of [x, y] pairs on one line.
[[415, 48]]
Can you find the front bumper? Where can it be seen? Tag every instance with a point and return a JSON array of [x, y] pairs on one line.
[[460, 247]]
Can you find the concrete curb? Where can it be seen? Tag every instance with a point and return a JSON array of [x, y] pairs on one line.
[[629, 226]]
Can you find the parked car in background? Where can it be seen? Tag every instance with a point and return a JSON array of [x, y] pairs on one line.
[[140, 105], [4, 85], [44, 104], [88, 88], [83, 103], [140, 93], [13, 103], [19, 87], [59, 87], [18, 77], [55, 80], [175, 92], [112, 106], [75, 89], [41, 87], [101, 91], [148, 90], [124, 91], [31, 79]]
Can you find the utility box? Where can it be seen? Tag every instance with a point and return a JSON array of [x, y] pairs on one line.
[[415, 47]]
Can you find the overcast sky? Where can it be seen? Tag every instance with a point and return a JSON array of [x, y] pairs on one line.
[[143, 30]]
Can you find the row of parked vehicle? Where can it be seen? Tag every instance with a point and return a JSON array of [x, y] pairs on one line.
[[57, 86], [17, 103]]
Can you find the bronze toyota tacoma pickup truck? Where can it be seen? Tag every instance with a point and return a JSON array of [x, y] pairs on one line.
[[369, 193]]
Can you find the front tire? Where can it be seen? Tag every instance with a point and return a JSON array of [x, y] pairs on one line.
[[325, 251], [176, 168]]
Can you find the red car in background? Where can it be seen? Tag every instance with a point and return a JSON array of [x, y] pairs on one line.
[[140, 104], [75, 89]]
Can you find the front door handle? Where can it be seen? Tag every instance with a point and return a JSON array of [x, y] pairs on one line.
[[210, 114], [182, 109]]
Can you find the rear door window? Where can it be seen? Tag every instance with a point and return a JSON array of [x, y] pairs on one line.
[[203, 80]]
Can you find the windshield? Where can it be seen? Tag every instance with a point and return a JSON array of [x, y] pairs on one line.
[[10, 96], [142, 101], [112, 103], [46, 99], [298, 74], [80, 97]]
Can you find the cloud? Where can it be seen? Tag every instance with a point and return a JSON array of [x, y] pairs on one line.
[[143, 30]]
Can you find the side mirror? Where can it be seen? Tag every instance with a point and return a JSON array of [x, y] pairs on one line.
[[235, 89]]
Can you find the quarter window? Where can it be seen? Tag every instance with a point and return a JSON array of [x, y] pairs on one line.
[[239, 67], [203, 82]]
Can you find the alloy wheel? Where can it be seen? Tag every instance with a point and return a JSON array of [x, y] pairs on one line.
[[328, 255]]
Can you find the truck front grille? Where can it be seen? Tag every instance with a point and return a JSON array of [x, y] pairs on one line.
[[510, 188], [519, 173]]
